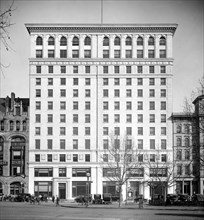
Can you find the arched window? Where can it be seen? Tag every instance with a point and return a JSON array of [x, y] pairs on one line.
[[187, 129], [117, 41], [151, 41], [24, 126], [128, 41], [39, 41], [105, 41], [139, 41], [17, 125], [87, 41], [75, 41], [63, 41], [178, 141], [162, 41], [51, 41], [11, 126]]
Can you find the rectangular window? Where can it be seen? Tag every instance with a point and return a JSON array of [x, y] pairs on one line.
[[129, 105], [128, 54], [63, 69], [116, 69], [163, 92], [140, 54], [62, 157], [116, 92], [129, 118], [49, 158], [37, 157], [62, 144], [87, 157], [87, 131], [150, 53], [75, 81], [139, 105], [75, 157], [43, 172], [152, 144], [128, 93], [75, 93], [62, 81], [62, 131], [116, 81], [105, 69], [105, 53], [87, 118], [75, 69], [37, 130], [87, 69], [163, 105], [75, 144], [152, 158], [128, 69], [128, 82], [38, 69], [139, 93], [50, 105], [140, 130], [87, 144], [105, 81], [51, 53], [162, 69], [87, 81], [37, 118], [105, 131], [38, 81], [151, 81], [140, 144], [63, 53], [139, 69], [151, 105], [163, 158], [49, 130], [105, 118], [37, 144], [152, 118], [162, 53], [116, 53], [163, 144], [80, 172], [87, 105], [151, 93], [105, 92], [75, 53], [49, 144], [39, 53], [105, 105], [87, 53], [105, 144], [140, 118], [62, 118], [75, 105], [140, 81], [75, 131], [163, 82], [163, 130], [49, 118], [62, 105], [151, 69], [37, 93], [117, 118], [62, 172], [62, 92], [50, 92], [163, 118], [50, 81]]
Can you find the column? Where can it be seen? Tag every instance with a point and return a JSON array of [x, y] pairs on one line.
[[134, 46], [123, 37], [157, 46], [57, 46], [169, 49], [111, 45], [81, 46], [45, 39], [146, 46], [94, 46], [69, 46], [100, 46]]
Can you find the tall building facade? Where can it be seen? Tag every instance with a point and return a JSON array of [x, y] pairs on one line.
[[88, 82], [14, 130]]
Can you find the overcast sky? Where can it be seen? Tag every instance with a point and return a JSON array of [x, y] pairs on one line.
[[187, 42]]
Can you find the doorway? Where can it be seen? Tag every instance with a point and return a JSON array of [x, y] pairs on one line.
[[62, 190]]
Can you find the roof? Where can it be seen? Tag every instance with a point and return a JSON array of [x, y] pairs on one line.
[[112, 28]]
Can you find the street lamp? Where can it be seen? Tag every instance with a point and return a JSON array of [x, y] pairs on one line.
[[88, 175]]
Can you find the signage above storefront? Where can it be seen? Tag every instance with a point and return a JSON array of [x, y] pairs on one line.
[[3, 163]]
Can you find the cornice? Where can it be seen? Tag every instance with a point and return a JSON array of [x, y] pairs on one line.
[[106, 28]]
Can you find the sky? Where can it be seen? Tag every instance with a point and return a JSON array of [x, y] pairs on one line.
[[187, 42]]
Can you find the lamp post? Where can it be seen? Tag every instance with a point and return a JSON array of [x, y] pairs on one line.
[[88, 175]]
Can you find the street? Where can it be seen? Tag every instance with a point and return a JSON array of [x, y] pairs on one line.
[[26, 211]]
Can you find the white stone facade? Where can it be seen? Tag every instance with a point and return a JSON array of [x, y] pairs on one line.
[[95, 101]]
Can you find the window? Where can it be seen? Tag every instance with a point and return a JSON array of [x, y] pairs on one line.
[[129, 118], [50, 69], [163, 144], [62, 144], [128, 53], [75, 81], [162, 53], [117, 105], [63, 69], [152, 131], [163, 118], [105, 157], [139, 69], [151, 69], [49, 158], [140, 144], [111, 172], [128, 81], [140, 157], [105, 144], [75, 131], [87, 144], [51, 53], [75, 69], [39, 41], [105, 53], [105, 118], [158, 172], [178, 141], [187, 142], [151, 41], [105, 41], [51, 41], [128, 93], [163, 105], [50, 81], [163, 81], [117, 118], [105, 69], [87, 81], [75, 118], [128, 41], [87, 41], [49, 118], [162, 41], [140, 118], [62, 131], [163, 92], [63, 92], [63, 41], [63, 53], [139, 81], [37, 144], [105, 131], [80, 172], [38, 93], [75, 157], [37, 157], [75, 41], [163, 130], [37, 118], [87, 69], [87, 131], [187, 169], [152, 158], [87, 105], [50, 92], [140, 105], [75, 144], [87, 118], [38, 69], [39, 53], [87, 157], [128, 69], [116, 92], [117, 41], [152, 118], [116, 81], [75, 53], [163, 158], [116, 69], [162, 69], [87, 53], [50, 105], [62, 157], [128, 131], [43, 172], [151, 93], [140, 93], [62, 105], [49, 144], [105, 105], [187, 155], [140, 130], [105, 81], [62, 118], [140, 41], [150, 53], [116, 131], [49, 130], [105, 92], [62, 81], [187, 129], [37, 105], [62, 172], [129, 105], [87, 93], [179, 169], [140, 54], [178, 155], [116, 53]]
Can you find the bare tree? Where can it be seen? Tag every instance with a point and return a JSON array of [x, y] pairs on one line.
[[5, 24], [118, 161]]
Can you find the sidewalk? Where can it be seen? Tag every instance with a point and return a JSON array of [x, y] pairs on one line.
[[114, 205]]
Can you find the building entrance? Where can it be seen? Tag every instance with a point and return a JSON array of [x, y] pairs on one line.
[[62, 190]]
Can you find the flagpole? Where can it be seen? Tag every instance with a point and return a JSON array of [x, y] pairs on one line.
[[101, 11]]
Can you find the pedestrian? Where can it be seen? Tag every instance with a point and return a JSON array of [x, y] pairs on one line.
[[53, 199], [57, 201]]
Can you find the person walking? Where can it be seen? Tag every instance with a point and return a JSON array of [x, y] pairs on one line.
[[57, 201], [53, 199]]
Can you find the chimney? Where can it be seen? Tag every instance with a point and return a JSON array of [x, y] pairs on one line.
[[12, 100]]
